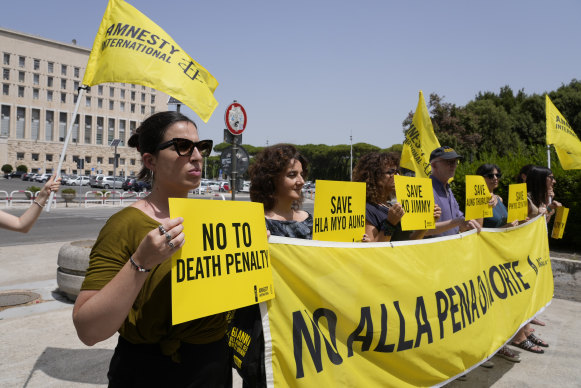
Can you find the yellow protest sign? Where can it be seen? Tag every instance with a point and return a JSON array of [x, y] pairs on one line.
[[518, 207], [417, 199], [224, 263], [560, 221], [477, 197], [339, 211]]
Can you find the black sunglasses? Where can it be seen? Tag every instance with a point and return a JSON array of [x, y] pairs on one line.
[[491, 176], [391, 171], [185, 147]]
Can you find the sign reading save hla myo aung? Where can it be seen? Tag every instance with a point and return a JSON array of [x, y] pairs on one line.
[[416, 196], [477, 198], [224, 264], [339, 211]]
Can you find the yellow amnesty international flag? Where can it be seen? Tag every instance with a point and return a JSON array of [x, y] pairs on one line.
[[131, 48], [420, 141], [477, 198], [224, 263], [417, 199], [339, 213], [518, 208], [562, 137], [401, 314]]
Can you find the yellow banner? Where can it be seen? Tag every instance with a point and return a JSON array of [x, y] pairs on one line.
[[224, 263], [416, 196], [401, 314], [420, 141], [477, 198], [339, 213], [518, 208], [130, 48], [561, 135], [560, 222]]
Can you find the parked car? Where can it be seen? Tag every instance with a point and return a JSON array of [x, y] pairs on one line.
[[79, 181], [203, 188], [245, 187], [224, 186], [109, 182], [213, 185], [94, 179], [29, 176], [17, 174], [128, 184], [42, 178], [67, 179], [142, 186]]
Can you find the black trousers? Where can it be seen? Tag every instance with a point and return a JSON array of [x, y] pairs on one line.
[[143, 365]]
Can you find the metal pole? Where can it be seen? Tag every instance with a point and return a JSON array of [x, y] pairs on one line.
[[234, 173], [115, 168], [351, 140], [548, 156]]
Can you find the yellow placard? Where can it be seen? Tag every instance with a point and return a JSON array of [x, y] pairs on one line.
[[518, 208], [339, 211], [225, 262], [560, 221], [477, 197], [416, 196]]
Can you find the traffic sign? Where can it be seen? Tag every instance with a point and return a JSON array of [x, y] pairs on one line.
[[242, 160], [235, 118]]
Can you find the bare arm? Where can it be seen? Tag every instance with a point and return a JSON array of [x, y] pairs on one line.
[[98, 314], [25, 222]]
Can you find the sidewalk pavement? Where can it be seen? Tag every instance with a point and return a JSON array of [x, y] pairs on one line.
[[40, 347]]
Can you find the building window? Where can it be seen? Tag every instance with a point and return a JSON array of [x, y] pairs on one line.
[[6, 89], [21, 61], [76, 86], [50, 67], [20, 155], [111, 160], [100, 159], [142, 97], [100, 90], [49, 81], [132, 161], [132, 96], [6, 58], [21, 91], [6, 74], [36, 64], [48, 157], [111, 131], [132, 86], [111, 92], [5, 123], [122, 92], [153, 98], [132, 108], [100, 124], [64, 98], [122, 125], [100, 103], [35, 124], [20, 76], [62, 126], [122, 106], [35, 157], [63, 83], [36, 79], [35, 92], [20, 122], [77, 72], [87, 159], [152, 109], [63, 69], [49, 125], [142, 109], [49, 95], [88, 102], [111, 105], [75, 131], [88, 130]]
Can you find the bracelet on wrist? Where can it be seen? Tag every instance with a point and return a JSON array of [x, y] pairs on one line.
[[38, 203], [137, 267]]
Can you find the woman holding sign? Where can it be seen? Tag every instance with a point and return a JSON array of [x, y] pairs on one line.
[[383, 213], [540, 183], [128, 283], [492, 175]]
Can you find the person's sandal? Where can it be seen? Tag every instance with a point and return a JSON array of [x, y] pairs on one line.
[[529, 346], [537, 341], [508, 354]]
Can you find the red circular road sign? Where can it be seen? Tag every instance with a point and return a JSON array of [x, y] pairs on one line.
[[235, 118]]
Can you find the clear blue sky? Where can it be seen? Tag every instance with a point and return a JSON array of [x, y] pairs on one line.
[[312, 71]]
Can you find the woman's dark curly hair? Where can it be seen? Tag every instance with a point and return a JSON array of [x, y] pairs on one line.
[[150, 135], [268, 165], [371, 169]]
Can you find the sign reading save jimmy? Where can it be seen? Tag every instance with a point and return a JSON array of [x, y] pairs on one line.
[[339, 211], [417, 199], [224, 264]]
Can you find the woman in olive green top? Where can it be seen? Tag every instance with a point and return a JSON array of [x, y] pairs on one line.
[[128, 287]]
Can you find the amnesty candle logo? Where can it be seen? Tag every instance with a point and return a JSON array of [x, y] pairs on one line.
[[130, 48]]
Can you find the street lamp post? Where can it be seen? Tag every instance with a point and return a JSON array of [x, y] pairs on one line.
[[115, 143]]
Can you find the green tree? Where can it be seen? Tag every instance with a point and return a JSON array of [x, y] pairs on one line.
[[7, 169], [22, 168]]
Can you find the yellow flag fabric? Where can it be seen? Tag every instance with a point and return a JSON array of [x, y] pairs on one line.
[[562, 137], [560, 222], [130, 48], [401, 314], [420, 141]]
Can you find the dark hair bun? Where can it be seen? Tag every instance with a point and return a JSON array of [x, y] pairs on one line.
[[133, 141]]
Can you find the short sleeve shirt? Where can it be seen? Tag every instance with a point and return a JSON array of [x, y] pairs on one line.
[[444, 197]]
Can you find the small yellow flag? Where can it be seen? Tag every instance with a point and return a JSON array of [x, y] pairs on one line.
[[477, 197], [130, 48], [420, 141], [562, 137], [560, 221]]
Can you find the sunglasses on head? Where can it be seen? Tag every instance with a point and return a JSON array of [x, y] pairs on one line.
[[185, 147], [491, 176]]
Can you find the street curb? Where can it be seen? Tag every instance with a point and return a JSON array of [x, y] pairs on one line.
[[561, 265]]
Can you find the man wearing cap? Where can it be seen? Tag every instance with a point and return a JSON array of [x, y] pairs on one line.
[[444, 161]]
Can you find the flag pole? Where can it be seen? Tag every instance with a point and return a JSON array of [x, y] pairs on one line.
[[64, 151], [548, 156]]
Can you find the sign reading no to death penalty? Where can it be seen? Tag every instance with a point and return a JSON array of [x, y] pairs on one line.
[[477, 198], [224, 264], [416, 196], [339, 211], [518, 208]]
